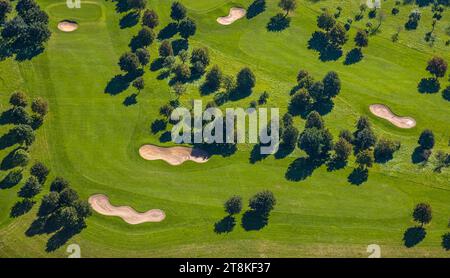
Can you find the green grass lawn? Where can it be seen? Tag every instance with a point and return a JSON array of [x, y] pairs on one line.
[[92, 139]]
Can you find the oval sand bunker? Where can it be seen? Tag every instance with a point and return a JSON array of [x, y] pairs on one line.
[[67, 26], [100, 203], [173, 155], [382, 111], [234, 14]]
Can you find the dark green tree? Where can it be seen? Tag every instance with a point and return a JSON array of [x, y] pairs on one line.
[[139, 84], [365, 159], [245, 79], [200, 55], [437, 66], [233, 205], [263, 202], [129, 62], [59, 184], [31, 188], [23, 134], [422, 213], [326, 21], [18, 99], [143, 56], [187, 28], [314, 120], [315, 142], [178, 11], [150, 19], [165, 49], [39, 106], [213, 78], [342, 149], [288, 6], [331, 84], [40, 171], [426, 139], [67, 197]]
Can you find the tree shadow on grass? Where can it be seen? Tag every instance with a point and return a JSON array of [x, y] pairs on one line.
[[255, 8], [418, 155], [428, 86], [225, 225], [129, 20], [353, 56], [254, 221], [413, 236], [278, 23], [157, 64], [302, 168], [121, 82], [7, 140], [167, 32], [256, 155], [323, 107], [8, 161], [21, 207], [283, 151], [130, 100], [158, 125], [222, 149], [327, 52], [61, 237], [165, 137], [122, 6], [358, 176]]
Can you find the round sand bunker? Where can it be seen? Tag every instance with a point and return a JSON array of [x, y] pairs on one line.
[[100, 203], [234, 14], [173, 155], [382, 111], [67, 26]]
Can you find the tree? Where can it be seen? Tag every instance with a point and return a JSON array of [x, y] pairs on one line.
[[326, 21], [233, 205], [20, 157], [40, 171], [49, 204], [314, 120], [288, 6], [385, 148], [23, 134], [213, 78], [68, 217], [422, 213], [178, 11], [426, 139], [446, 241], [245, 79], [365, 159], [129, 62], [139, 84], [182, 72], [143, 56], [83, 208], [25, 5], [287, 120], [263, 98], [302, 75], [347, 135], [361, 39], [187, 28], [437, 66], [331, 84], [31, 188], [290, 136], [317, 91], [200, 55], [39, 106], [59, 184], [263, 202], [18, 99], [365, 139], [301, 101], [315, 142], [145, 36], [338, 35], [137, 4], [165, 49], [342, 149], [150, 19], [362, 123], [67, 197], [5, 9]]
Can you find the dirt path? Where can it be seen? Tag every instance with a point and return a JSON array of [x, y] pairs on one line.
[[100, 203], [173, 155], [382, 111]]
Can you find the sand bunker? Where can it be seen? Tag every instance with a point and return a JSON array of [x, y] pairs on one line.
[[384, 112], [235, 14], [173, 155], [100, 203], [67, 26]]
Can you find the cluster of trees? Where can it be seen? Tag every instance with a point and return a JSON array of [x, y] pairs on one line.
[[22, 132], [437, 67], [63, 207], [25, 33], [312, 94], [413, 20], [33, 185], [316, 140], [423, 152], [333, 35]]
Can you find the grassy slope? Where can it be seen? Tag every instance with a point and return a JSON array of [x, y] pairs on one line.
[[92, 139]]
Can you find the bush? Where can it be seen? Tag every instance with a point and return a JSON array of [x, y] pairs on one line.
[[40, 171], [263, 202], [233, 205]]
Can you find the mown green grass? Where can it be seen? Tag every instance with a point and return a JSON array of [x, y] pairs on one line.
[[92, 139]]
